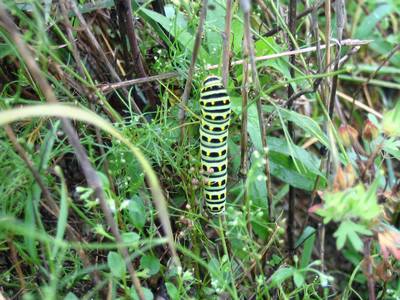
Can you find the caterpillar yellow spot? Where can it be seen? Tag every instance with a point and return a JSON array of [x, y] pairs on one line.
[[221, 139]]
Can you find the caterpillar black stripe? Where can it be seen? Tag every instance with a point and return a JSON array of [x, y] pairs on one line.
[[215, 111]]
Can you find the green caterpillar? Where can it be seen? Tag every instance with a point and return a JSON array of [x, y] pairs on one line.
[[215, 110]]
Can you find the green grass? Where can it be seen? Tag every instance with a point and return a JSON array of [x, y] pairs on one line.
[[151, 181]]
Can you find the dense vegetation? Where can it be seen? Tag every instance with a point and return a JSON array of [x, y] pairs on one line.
[[100, 180]]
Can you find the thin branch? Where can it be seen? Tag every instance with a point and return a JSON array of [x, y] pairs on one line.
[[263, 131], [16, 263], [99, 50], [243, 132], [226, 53], [188, 85], [340, 23], [307, 11], [50, 205], [369, 269], [328, 32], [359, 104], [138, 62], [292, 58], [370, 77], [110, 86], [89, 172]]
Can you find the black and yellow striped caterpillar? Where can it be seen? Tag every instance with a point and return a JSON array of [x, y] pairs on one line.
[[215, 111]]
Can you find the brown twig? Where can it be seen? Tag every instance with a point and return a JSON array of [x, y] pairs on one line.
[[93, 41], [243, 133], [291, 198], [188, 85], [50, 205], [138, 62], [328, 33], [371, 160], [369, 269], [226, 53], [263, 131], [321, 227], [110, 86], [298, 17], [340, 23], [89, 172], [370, 77], [16, 264], [359, 104], [75, 53]]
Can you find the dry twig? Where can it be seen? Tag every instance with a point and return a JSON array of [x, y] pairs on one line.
[[188, 85], [89, 172]]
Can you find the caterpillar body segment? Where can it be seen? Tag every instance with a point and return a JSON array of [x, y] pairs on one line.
[[216, 110]]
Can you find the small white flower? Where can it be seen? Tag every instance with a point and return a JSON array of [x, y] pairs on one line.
[[125, 204]]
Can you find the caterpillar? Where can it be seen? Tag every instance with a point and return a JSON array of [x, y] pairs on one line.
[[215, 116]]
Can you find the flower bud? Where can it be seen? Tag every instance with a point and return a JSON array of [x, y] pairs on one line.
[[348, 134], [370, 131], [344, 178]]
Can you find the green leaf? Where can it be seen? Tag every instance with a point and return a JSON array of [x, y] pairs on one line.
[[213, 29], [281, 165], [176, 29], [283, 168], [298, 278], [306, 160], [148, 295], [349, 230], [392, 146], [305, 123], [267, 46], [151, 263], [137, 212], [308, 238], [237, 40], [5, 50], [281, 275], [116, 264], [391, 122], [71, 296], [173, 292], [153, 23], [368, 24], [130, 237]]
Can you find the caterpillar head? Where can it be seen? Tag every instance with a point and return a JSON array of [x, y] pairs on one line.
[[211, 80]]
